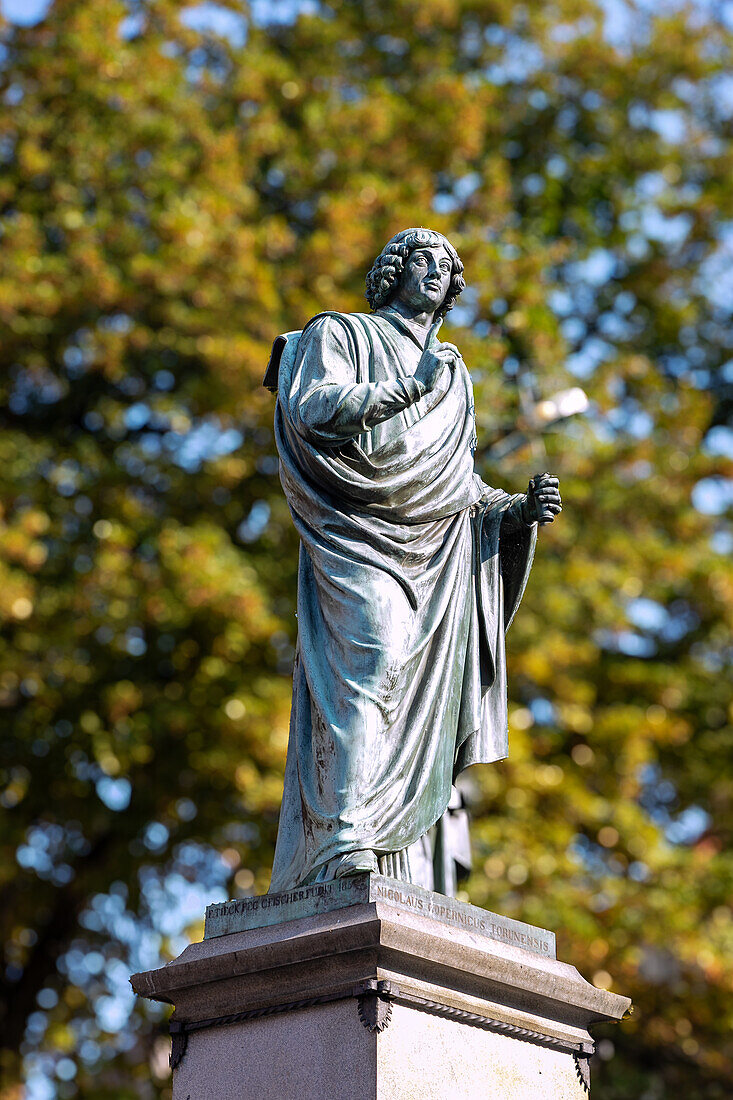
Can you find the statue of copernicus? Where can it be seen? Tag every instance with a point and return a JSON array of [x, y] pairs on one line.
[[411, 569]]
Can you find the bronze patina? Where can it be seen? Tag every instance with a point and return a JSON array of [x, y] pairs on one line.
[[411, 570]]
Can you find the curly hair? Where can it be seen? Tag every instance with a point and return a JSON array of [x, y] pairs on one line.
[[384, 275]]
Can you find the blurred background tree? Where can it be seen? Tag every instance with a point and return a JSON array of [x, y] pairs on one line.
[[180, 183]]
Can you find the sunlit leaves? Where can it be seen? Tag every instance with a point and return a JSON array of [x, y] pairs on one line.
[[170, 200]]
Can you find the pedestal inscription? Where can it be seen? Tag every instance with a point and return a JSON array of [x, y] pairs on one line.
[[393, 993], [306, 901]]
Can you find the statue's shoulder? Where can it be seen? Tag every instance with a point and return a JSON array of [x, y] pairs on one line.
[[285, 346], [350, 330], [349, 321]]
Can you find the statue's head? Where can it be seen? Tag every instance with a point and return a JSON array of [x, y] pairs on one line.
[[383, 280]]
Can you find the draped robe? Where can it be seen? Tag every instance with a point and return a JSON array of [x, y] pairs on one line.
[[410, 571]]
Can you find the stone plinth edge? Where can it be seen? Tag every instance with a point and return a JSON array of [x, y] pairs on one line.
[[384, 955], [267, 910]]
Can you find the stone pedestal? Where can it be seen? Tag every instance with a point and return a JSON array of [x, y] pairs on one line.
[[369, 989]]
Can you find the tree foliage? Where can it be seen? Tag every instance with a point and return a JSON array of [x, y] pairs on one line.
[[177, 186]]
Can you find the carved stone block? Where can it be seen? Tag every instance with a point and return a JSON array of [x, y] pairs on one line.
[[378, 1000]]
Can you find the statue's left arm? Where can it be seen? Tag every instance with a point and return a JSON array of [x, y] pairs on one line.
[[509, 534], [541, 503]]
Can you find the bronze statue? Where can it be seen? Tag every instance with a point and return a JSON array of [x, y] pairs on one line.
[[411, 569]]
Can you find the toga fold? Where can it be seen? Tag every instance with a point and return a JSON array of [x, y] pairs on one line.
[[410, 572]]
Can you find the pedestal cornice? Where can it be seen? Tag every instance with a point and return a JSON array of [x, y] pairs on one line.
[[384, 953]]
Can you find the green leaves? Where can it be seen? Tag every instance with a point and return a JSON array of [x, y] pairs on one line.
[[170, 201]]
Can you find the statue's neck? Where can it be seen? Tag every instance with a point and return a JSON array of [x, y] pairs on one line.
[[424, 320]]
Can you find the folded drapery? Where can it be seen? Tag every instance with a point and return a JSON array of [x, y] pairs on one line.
[[410, 571]]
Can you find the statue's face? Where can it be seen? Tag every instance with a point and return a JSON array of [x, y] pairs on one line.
[[425, 279]]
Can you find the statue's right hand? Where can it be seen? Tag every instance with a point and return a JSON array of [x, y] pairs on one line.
[[435, 358]]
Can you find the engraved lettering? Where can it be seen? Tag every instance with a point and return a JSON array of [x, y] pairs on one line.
[[231, 915]]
